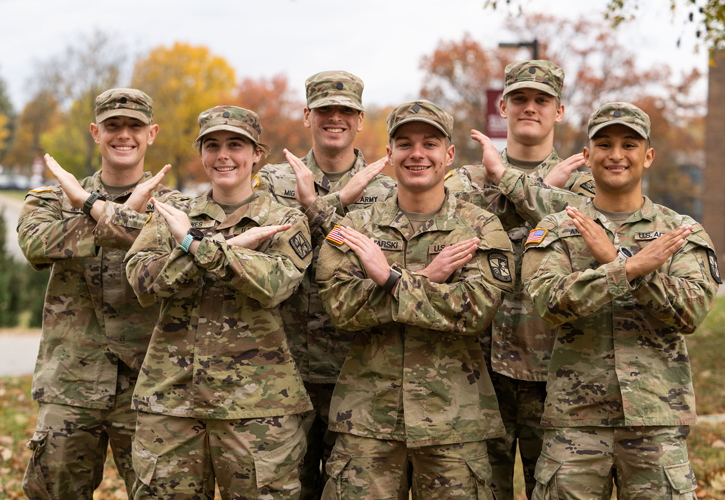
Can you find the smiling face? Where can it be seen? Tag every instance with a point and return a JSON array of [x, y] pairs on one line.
[[618, 157], [334, 127], [420, 154], [228, 158], [123, 141], [531, 115]]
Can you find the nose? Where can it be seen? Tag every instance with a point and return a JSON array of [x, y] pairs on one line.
[[616, 153], [124, 133], [417, 152], [223, 151]]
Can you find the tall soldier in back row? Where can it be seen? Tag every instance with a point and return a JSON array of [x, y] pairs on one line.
[[330, 182], [95, 333], [521, 343]]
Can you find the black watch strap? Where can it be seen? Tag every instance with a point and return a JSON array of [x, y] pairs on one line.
[[88, 205], [392, 280]]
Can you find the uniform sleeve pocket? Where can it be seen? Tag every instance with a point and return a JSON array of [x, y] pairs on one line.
[[144, 463], [481, 469], [682, 480], [273, 465], [335, 466], [34, 483]]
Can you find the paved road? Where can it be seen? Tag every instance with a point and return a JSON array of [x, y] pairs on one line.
[[18, 353], [11, 207]]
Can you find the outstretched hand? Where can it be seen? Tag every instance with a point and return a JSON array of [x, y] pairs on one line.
[[451, 258], [595, 236], [73, 190], [143, 191], [252, 238], [491, 159], [561, 173], [355, 188], [305, 191]]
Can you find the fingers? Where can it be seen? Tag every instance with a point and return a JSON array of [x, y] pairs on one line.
[[294, 162], [480, 137]]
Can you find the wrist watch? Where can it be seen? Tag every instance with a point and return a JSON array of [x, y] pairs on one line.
[[395, 275], [191, 235], [625, 253], [88, 204]]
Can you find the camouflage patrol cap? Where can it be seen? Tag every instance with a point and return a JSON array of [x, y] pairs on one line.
[[625, 113], [334, 88], [536, 74], [233, 119], [124, 102], [420, 111]]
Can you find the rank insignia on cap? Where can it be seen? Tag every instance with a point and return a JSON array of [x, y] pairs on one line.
[[499, 265], [536, 236], [335, 235], [416, 108], [617, 113], [714, 269], [532, 70], [339, 85]]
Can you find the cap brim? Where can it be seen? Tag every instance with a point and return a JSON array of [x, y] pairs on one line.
[[231, 128], [417, 119], [131, 113], [531, 85], [335, 101], [634, 127]]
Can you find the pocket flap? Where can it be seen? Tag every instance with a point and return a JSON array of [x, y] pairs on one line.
[[38, 440], [272, 465], [546, 467], [144, 463], [481, 468], [336, 464], [681, 477]]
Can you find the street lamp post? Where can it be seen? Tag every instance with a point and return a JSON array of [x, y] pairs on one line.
[[534, 46]]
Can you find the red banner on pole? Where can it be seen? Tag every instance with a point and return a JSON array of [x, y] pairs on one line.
[[496, 126]]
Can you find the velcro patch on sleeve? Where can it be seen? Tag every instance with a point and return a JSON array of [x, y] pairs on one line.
[[714, 268], [335, 236], [536, 236], [300, 244], [499, 264]]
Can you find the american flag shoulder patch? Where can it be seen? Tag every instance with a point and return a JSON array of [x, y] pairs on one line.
[[335, 235], [536, 236]]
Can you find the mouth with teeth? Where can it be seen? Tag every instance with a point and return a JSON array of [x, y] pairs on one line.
[[123, 149], [417, 168], [224, 169], [616, 168], [334, 130]]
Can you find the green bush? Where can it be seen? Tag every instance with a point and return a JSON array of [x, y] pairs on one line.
[[22, 289]]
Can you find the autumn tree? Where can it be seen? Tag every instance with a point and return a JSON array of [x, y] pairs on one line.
[[374, 136], [183, 80], [39, 116], [74, 79], [7, 121], [280, 110]]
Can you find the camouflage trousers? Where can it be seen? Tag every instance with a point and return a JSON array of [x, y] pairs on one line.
[[521, 403], [70, 444], [180, 458], [646, 463], [320, 441], [371, 469]]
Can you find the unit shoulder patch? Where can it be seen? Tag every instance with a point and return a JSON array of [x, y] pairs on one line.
[[714, 268], [335, 236], [499, 265], [589, 186], [300, 244]]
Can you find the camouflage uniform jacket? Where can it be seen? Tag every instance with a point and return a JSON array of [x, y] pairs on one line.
[[218, 349], [318, 348], [91, 317], [521, 344], [416, 371], [619, 357]]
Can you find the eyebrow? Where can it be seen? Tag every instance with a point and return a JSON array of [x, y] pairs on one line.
[[607, 136]]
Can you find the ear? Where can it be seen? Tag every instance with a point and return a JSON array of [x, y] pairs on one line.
[[649, 157], [585, 151], [306, 119], [360, 118], [559, 114], [258, 152], [153, 132], [95, 133], [450, 155], [502, 108]]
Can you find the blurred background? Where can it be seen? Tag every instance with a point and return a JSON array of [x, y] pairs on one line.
[[56, 57]]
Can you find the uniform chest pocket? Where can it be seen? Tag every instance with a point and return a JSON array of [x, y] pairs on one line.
[[433, 252]]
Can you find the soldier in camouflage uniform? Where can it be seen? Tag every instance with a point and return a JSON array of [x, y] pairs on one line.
[[521, 343], [418, 277], [95, 333], [219, 396], [621, 280], [330, 182]]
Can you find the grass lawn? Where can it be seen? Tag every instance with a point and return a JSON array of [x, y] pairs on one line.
[[706, 443], [20, 195]]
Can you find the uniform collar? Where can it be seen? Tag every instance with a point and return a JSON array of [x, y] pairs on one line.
[[97, 185], [256, 210], [320, 178], [444, 220], [543, 168], [646, 212]]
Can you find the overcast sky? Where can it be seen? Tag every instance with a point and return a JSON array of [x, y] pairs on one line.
[[381, 41]]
